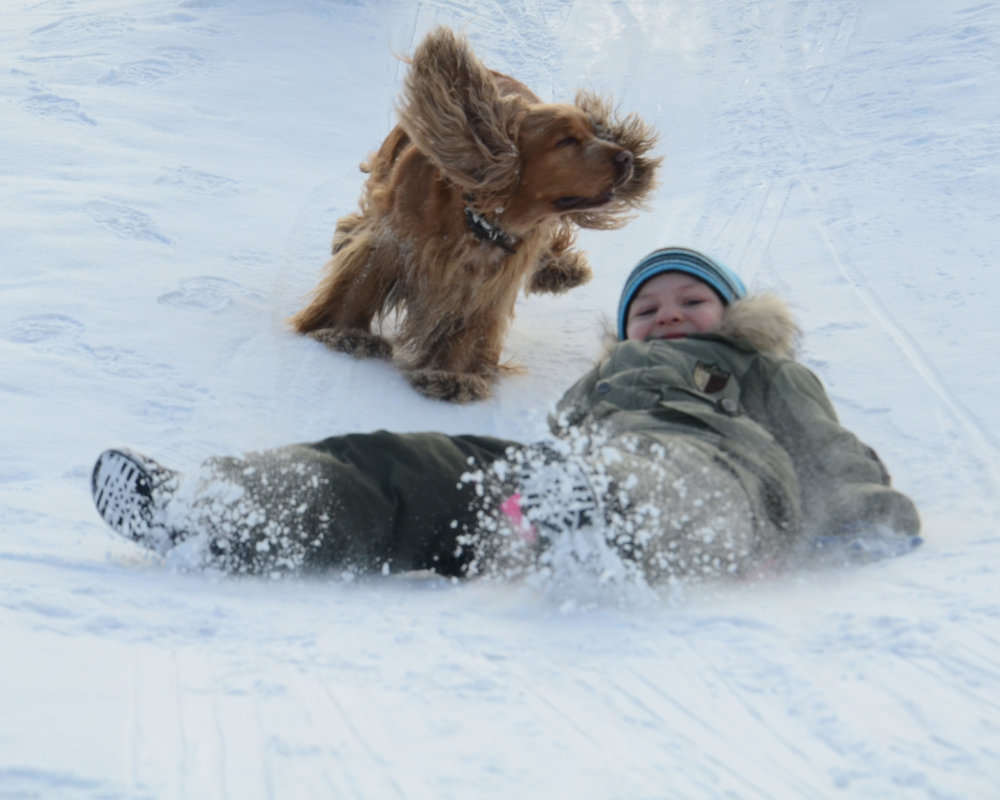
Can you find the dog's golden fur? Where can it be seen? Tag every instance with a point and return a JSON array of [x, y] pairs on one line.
[[474, 195]]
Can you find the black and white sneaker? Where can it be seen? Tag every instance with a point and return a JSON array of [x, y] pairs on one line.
[[558, 493], [130, 491]]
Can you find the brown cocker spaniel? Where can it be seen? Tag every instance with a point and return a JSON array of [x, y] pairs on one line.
[[474, 195]]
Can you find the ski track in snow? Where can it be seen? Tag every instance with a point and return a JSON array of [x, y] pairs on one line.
[[173, 174]]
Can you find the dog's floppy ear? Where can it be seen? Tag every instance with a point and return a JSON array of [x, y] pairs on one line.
[[634, 135], [455, 113]]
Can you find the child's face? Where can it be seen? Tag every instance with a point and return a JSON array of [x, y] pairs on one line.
[[672, 305]]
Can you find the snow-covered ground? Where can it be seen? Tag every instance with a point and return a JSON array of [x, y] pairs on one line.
[[171, 175]]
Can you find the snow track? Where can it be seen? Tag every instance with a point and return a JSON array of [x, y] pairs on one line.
[[172, 175]]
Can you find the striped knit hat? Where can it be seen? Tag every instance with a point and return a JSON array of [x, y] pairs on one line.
[[723, 280]]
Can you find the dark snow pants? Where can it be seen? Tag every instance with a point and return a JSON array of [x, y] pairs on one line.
[[367, 502]]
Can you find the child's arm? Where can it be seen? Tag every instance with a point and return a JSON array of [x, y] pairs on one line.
[[843, 483]]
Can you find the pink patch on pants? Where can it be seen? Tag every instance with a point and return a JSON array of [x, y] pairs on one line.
[[511, 508]]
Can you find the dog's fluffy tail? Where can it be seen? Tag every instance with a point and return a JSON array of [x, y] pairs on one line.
[[455, 112]]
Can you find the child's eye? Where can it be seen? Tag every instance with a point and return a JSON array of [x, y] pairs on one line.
[[694, 301], [644, 312]]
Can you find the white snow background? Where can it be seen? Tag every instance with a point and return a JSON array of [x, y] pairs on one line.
[[171, 175]]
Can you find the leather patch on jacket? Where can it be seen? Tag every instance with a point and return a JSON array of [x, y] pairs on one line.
[[709, 378]]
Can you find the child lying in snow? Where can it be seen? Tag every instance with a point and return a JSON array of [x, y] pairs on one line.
[[695, 447]]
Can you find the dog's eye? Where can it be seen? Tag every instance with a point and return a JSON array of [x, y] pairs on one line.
[[567, 141]]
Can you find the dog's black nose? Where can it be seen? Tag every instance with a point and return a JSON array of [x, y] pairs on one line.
[[623, 166]]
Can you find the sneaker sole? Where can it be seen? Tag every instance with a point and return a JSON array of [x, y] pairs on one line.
[[122, 491]]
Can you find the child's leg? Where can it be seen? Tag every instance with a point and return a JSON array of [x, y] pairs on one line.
[[363, 501]]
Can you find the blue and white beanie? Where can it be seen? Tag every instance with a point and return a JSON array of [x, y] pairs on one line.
[[723, 280]]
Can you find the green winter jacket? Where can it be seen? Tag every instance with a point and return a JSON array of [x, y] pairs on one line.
[[768, 415], [400, 501]]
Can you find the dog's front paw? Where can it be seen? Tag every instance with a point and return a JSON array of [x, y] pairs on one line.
[[454, 387], [354, 342], [557, 275]]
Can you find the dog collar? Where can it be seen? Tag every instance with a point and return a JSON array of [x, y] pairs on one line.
[[486, 232]]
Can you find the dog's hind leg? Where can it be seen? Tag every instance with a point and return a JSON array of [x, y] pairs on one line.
[[353, 291], [357, 343]]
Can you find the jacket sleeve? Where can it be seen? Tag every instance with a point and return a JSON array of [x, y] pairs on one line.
[[844, 485], [574, 406]]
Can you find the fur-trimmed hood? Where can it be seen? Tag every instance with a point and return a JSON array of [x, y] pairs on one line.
[[763, 322]]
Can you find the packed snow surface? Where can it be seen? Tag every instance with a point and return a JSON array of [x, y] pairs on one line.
[[172, 173]]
